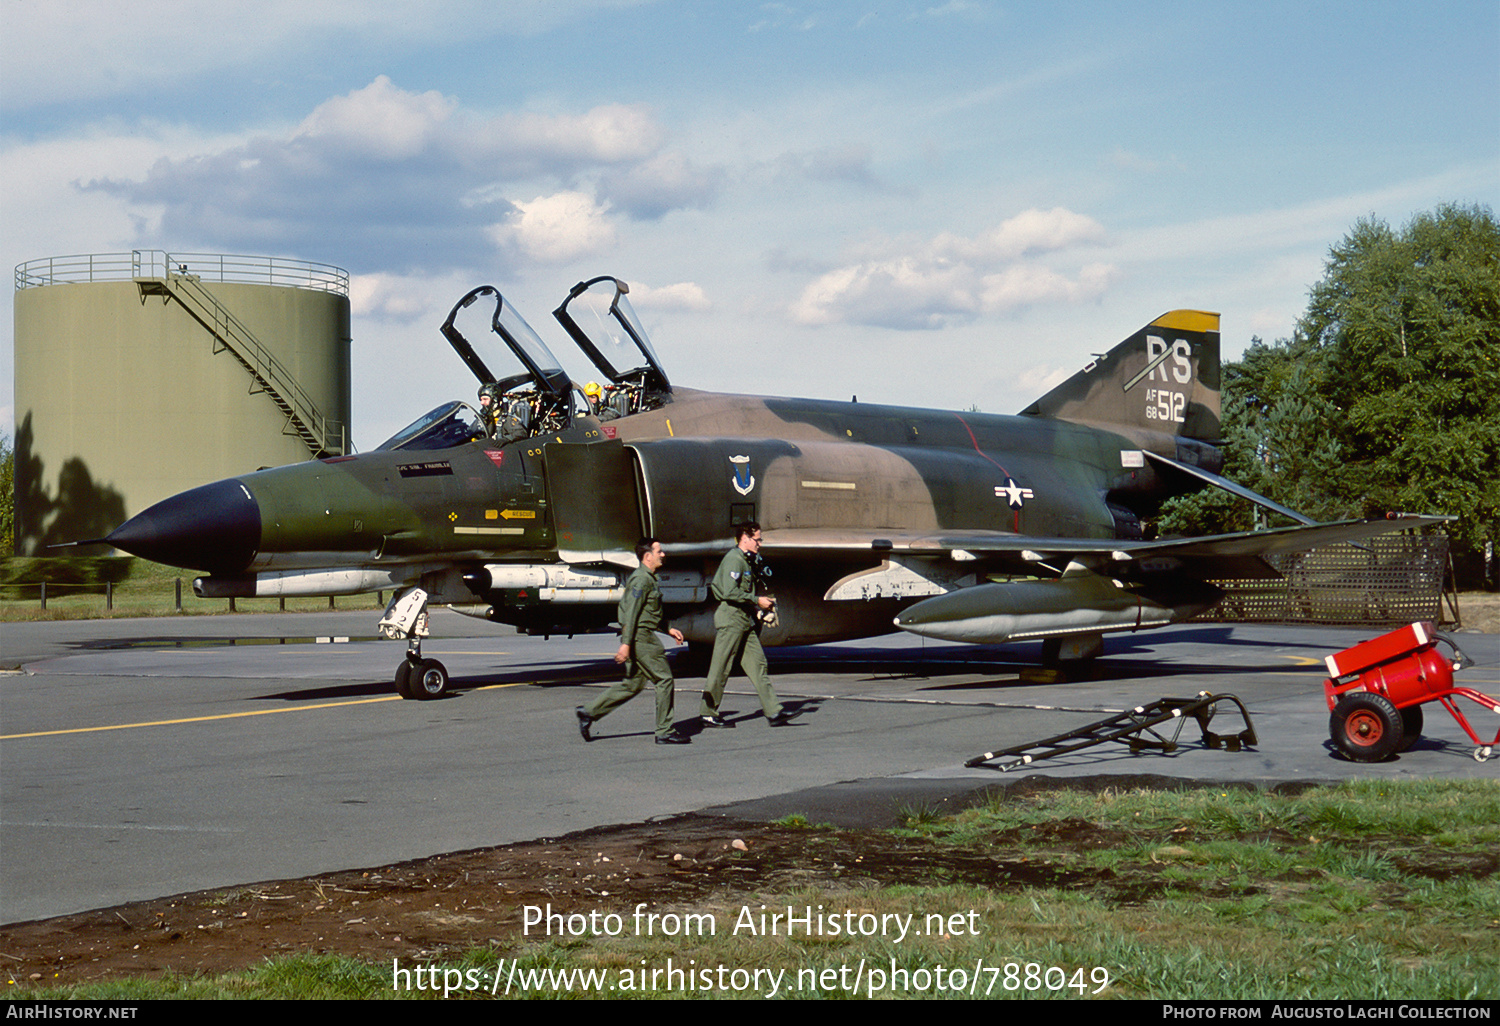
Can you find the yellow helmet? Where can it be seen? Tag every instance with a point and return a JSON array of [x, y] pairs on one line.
[[593, 390]]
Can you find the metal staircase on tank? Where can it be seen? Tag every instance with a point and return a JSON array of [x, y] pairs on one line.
[[321, 435]]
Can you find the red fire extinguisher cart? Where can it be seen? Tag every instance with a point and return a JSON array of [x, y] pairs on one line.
[[1376, 691]]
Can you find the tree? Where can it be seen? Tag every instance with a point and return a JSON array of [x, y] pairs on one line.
[[1278, 441], [1387, 395], [7, 498], [1408, 325]]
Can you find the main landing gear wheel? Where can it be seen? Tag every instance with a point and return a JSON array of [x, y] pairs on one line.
[[429, 679], [1411, 727], [1366, 727]]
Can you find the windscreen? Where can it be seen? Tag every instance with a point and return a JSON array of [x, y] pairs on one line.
[[450, 424]]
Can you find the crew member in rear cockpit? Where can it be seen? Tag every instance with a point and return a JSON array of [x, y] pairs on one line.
[[594, 392]]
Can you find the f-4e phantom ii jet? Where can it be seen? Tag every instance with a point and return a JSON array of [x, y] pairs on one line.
[[962, 526]]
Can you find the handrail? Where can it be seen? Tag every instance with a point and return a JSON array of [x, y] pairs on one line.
[[156, 263], [321, 433]]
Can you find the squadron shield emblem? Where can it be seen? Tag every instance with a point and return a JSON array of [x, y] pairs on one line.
[[742, 480]]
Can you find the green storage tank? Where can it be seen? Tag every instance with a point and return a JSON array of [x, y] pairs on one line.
[[139, 375]]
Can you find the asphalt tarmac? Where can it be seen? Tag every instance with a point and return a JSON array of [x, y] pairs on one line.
[[143, 758]]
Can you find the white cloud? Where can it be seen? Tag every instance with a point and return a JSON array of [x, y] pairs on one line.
[[1122, 159], [81, 49], [1029, 285], [394, 296], [411, 180], [1028, 233], [1042, 378], [962, 8], [558, 228], [684, 295], [608, 134], [953, 278], [779, 16], [907, 292], [665, 182], [379, 121], [848, 163]]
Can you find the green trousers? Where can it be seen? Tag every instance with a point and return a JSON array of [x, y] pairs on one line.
[[736, 643], [648, 662]]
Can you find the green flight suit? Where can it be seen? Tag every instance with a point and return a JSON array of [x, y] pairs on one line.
[[640, 615], [737, 636]]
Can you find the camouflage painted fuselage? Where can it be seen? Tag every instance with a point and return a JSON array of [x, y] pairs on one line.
[[970, 526], [538, 531]]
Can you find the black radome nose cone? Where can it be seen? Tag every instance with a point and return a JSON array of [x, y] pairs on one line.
[[214, 528]]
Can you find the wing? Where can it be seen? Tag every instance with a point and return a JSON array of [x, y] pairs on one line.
[[1282, 539], [1079, 587], [1238, 555]]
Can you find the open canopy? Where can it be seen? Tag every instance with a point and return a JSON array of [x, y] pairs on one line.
[[524, 344], [600, 319]]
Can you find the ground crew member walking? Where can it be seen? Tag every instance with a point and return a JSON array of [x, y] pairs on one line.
[[640, 650], [737, 630]]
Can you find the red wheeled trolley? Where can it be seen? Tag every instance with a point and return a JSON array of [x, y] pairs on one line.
[[1376, 690]]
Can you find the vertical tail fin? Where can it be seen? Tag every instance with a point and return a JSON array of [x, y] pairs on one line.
[[1165, 378]]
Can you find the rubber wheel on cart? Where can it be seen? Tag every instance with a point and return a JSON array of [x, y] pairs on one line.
[[1365, 727], [1411, 726]]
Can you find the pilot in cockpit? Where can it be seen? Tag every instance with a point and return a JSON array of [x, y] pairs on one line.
[[489, 407]]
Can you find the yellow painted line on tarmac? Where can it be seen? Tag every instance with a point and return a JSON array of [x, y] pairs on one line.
[[236, 715]]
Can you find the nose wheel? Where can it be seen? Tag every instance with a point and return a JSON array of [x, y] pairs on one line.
[[406, 617], [421, 679]]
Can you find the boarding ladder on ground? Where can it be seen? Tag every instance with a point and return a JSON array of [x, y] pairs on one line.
[[322, 436], [1135, 728]]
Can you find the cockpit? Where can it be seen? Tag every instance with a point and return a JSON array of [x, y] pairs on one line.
[[541, 399]]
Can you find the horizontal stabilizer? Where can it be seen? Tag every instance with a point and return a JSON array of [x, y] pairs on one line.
[[1224, 484]]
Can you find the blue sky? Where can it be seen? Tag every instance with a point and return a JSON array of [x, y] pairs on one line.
[[939, 204]]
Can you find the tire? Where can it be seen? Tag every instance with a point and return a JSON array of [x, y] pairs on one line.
[[429, 680], [403, 679], [1366, 727], [1411, 726]]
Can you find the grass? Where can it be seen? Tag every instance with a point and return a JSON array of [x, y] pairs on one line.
[[1359, 891], [76, 591]]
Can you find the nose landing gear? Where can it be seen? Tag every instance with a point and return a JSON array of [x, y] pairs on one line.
[[406, 617]]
